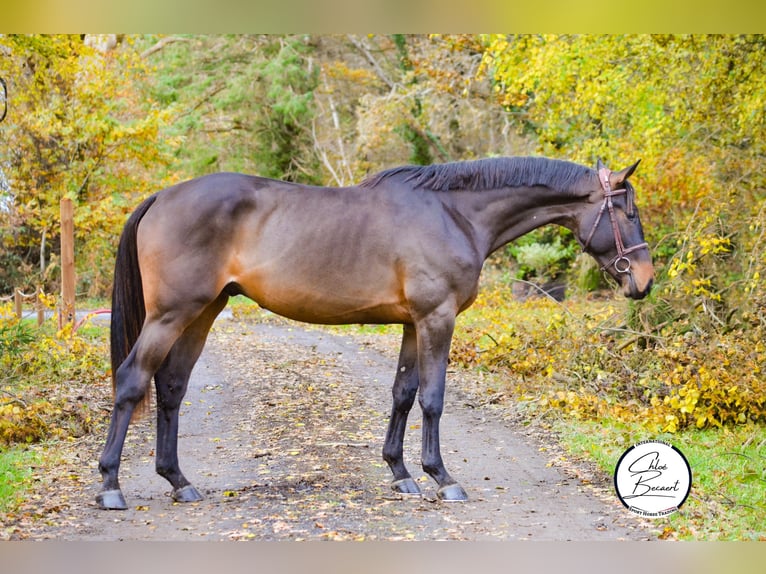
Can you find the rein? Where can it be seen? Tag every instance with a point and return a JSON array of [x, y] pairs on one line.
[[620, 261]]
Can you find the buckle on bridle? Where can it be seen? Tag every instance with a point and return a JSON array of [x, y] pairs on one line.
[[627, 264]]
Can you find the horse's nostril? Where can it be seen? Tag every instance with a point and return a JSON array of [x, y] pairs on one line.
[[641, 294]]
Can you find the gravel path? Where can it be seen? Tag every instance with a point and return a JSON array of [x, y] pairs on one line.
[[281, 430]]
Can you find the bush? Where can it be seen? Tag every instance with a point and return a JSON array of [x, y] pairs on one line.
[[543, 261], [582, 359], [45, 375], [14, 336], [701, 182]]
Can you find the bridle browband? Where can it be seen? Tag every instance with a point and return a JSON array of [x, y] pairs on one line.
[[620, 261]]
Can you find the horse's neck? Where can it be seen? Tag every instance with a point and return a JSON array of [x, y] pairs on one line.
[[501, 216]]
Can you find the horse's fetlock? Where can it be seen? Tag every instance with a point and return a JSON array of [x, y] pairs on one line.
[[391, 455], [432, 469]]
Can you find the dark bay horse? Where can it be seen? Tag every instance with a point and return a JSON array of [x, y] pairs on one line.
[[405, 246]]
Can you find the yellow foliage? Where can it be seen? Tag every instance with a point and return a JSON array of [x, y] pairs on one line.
[[23, 424], [577, 358], [701, 182], [44, 373]]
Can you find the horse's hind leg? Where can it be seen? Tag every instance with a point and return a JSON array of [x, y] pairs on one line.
[[131, 388], [171, 382], [132, 383], [404, 392]]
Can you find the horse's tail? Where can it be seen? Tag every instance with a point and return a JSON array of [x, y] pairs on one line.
[[128, 308]]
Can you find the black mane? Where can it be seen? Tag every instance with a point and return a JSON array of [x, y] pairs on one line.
[[485, 174]]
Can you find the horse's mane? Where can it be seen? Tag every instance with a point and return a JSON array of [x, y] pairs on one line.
[[485, 174]]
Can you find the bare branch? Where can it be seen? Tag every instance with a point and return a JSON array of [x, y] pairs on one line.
[[161, 44], [362, 47]]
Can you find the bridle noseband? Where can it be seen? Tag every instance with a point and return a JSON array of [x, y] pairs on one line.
[[620, 261]]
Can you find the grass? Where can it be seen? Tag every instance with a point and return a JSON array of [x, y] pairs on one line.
[[15, 475], [728, 465]]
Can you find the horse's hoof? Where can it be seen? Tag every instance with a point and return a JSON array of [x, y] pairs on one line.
[[406, 486], [111, 500], [452, 493], [187, 494]]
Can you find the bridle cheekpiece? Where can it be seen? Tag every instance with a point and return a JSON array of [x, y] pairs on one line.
[[620, 262]]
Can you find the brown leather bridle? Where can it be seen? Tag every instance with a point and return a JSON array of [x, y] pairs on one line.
[[620, 261]]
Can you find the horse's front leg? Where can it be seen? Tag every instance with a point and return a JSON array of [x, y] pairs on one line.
[[404, 392], [434, 335]]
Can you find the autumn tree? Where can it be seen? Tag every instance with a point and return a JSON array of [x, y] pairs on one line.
[[336, 106], [78, 126], [692, 109], [387, 100]]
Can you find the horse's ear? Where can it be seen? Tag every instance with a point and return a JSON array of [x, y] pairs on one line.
[[599, 164], [620, 176]]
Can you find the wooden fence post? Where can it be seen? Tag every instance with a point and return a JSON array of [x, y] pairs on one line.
[[17, 302], [39, 306], [67, 262]]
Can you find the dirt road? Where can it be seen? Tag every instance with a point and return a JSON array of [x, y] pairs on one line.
[[281, 431]]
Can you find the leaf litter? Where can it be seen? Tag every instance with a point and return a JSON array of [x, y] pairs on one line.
[[281, 431]]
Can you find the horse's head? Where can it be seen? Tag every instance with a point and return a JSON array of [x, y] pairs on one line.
[[609, 229]]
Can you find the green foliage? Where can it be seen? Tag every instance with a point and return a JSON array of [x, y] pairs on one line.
[[15, 475], [542, 261], [586, 275], [420, 146], [211, 85], [241, 103], [283, 128], [14, 337]]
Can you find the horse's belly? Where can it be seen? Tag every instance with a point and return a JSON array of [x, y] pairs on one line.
[[333, 311], [340, 301]]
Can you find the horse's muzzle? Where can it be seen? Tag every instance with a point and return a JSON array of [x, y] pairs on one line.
[[631, 290]]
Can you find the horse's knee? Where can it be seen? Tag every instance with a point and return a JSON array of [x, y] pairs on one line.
[[431, 407], [404, 397]]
